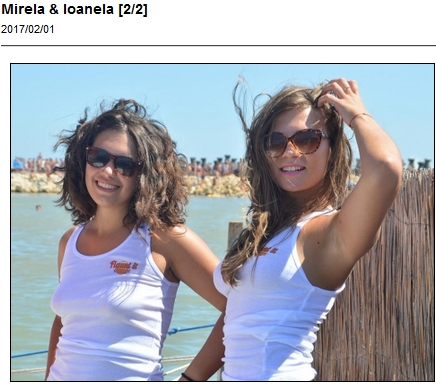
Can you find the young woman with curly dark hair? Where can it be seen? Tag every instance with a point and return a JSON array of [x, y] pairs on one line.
[[121, 263]]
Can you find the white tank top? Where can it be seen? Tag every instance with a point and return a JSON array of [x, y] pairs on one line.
[[273, 314], [116, 309]]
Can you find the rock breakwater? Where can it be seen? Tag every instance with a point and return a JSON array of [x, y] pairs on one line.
[[30, 182]]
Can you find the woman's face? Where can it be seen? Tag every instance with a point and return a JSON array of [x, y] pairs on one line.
[[292, 171], [106, 185]]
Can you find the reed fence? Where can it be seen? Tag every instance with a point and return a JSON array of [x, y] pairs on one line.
[[382, 325]]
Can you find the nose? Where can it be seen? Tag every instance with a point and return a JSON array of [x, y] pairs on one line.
[[109, 168], [291, 149]]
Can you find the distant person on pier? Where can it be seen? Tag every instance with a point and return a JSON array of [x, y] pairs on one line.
[[40, 163], [121, 263], [305, 231]]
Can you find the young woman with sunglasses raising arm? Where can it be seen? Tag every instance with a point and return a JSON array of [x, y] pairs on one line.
[[305, 231], [121, 263]]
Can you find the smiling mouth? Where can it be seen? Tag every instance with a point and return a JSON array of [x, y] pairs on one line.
[[291, 169], [106, 186]]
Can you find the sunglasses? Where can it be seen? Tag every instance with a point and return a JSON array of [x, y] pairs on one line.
[[305, 141], [98, 158]]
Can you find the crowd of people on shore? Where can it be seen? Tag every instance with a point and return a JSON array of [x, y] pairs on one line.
[[37, 165], [222, 166]]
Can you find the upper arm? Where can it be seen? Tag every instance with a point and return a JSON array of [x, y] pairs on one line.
[[357, 225], [332, 245], [336, 244], [192, 261]]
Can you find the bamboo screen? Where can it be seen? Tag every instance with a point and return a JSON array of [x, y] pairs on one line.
[[382, 325]]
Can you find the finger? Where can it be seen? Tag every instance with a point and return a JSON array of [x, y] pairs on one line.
[[342, 83], [335, 89], [353, 86], [326, 98]]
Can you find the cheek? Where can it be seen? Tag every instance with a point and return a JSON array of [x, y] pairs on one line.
[[324, 153], [325, 161], [132, 186], [88, 179], [274, 172], [272, 167]]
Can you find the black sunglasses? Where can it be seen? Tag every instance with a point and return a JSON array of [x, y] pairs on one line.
[[305, 141], [98, 158]]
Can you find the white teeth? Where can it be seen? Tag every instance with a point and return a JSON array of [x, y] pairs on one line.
[[107, 186], [292, 169]]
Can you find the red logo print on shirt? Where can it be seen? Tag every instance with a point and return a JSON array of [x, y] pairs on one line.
[[267, 250], [123, 267]]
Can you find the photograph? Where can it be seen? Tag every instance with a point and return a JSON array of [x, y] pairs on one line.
[[263, 221]]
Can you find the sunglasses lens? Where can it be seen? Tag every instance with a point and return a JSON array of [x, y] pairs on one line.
[[125, 165], [307, 141], [98, 158], [276, 144]]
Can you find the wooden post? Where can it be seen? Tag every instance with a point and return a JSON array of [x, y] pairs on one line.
[[235, 228]]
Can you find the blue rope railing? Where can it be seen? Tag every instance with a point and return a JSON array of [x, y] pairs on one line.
[[176, 330], [170, 332], [28, 354]]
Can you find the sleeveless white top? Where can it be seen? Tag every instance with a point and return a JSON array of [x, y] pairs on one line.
[[273, 314], [116, 309]]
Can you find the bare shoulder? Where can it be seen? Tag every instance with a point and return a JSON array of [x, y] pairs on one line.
[[176, 237], [179, 246], [68, 233], [164, 239], [190, 260], [66, 236], [183, 256], [182, 247]]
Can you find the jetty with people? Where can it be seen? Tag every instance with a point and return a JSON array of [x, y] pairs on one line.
[[218, 178], [213, 179]]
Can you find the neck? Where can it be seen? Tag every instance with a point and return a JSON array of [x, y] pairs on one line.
[[109, 221]]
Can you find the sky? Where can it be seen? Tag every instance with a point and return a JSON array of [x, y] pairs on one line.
[[194, 101]]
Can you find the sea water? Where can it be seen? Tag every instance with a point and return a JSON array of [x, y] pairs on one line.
[[37, 224]]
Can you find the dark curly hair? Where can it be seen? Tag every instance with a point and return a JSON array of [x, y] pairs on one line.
[[160, 198]]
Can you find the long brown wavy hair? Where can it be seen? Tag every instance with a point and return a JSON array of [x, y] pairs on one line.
[[271, 208], [160, 198]]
